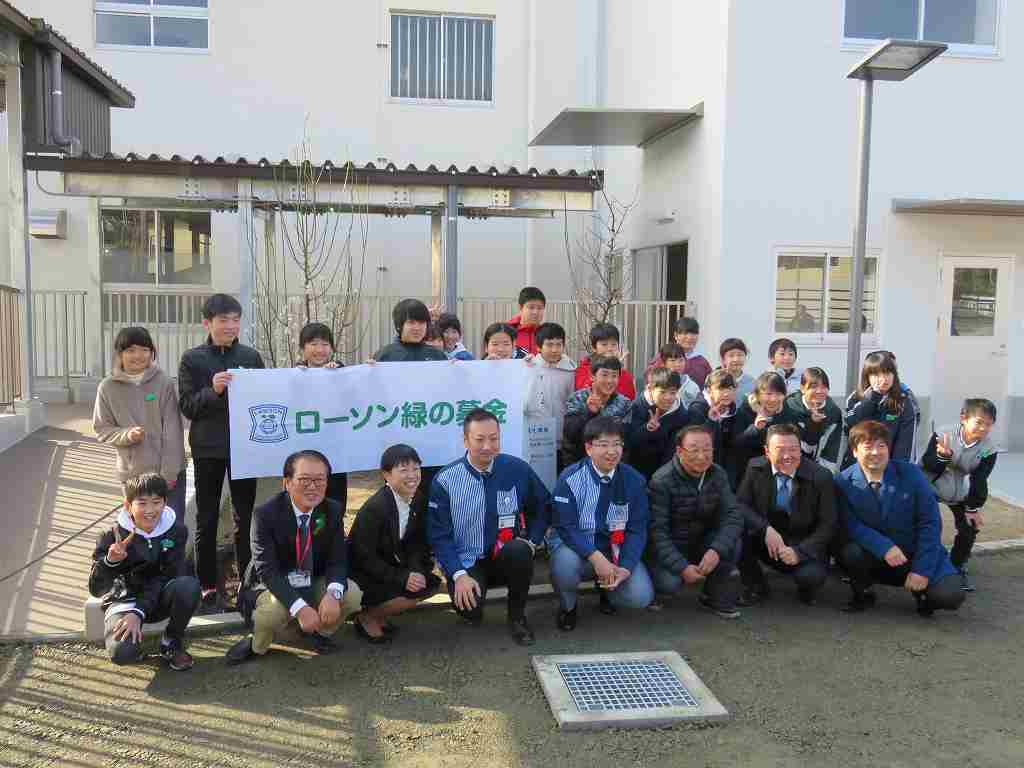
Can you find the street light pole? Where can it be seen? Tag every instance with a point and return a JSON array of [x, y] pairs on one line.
[[860, 233]]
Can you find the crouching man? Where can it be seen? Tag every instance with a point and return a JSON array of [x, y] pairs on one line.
[[600, 515], [299, 568], [696, 525], [789, 502], [139, 570], [895, 529]]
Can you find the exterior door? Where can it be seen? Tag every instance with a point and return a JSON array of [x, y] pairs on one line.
[[973, 328]]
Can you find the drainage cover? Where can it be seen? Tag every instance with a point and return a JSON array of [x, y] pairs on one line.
[[624, 690]]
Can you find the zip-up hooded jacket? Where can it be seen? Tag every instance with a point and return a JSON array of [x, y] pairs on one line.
[[723, 428], [549, 390], [151, 404], [525, 340], [208, 435], [963, 477], [134, 584], [902, 426], [791, 377], [459, 352], [819, 440]]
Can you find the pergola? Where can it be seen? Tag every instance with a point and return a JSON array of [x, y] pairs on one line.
[[245, 187]]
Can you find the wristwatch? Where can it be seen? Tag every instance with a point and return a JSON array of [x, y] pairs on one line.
[[335, 593]]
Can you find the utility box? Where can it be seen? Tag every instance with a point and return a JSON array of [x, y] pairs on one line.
[[51, 225]]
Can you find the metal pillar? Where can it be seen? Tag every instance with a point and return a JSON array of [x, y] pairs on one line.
[[860, 232], [437, 258], [451, 266], [247, 245]]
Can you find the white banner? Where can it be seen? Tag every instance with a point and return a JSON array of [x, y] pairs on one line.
[[541, 451], [352, 414]]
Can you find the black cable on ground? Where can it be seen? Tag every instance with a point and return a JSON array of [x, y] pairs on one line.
[[66, 541]]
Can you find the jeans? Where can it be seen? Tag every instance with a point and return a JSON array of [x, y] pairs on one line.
[[568, 569], [209, 482], [178, 601]]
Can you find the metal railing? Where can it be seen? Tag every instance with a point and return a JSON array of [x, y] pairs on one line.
[[10, 345], [60, 338]]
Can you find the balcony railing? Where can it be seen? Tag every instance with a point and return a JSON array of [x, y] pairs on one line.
[[10, 345]]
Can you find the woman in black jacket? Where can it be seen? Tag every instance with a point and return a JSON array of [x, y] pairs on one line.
[[818, 418], [391, 561]]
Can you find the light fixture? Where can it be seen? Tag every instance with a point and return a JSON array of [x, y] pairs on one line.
[[896, 60]]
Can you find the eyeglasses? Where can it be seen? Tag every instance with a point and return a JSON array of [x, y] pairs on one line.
[[603, 446], [699, 451], [311, 482]]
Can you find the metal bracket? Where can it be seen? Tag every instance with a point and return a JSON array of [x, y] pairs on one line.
[[401, 197], [190, 188]]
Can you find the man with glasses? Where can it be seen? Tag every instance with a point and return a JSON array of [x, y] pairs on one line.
[[789, 503], [486, 516], [299, 568], [600, 527], [696, 524]]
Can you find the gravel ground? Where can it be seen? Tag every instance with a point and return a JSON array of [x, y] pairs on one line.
[[807, 687]]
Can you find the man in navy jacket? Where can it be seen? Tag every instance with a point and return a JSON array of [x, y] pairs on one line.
[[486, 515], [600, 515], [894, 526]]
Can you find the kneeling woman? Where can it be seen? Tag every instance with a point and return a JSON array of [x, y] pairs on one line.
[[390, 559]]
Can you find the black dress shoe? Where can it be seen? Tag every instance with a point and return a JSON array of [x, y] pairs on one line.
[[240, 651], [389, 629], [378, 640], [323, 645], [605, 605], [859, 603], [566, 620], [521, 631], [924, 607], [806, 596]]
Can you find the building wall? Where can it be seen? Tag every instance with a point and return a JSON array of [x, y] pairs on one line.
[[789, 170]]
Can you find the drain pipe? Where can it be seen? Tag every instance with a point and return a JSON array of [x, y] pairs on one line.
[[73, 144]]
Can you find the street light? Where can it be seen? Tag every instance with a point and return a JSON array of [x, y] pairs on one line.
[[893, 60]]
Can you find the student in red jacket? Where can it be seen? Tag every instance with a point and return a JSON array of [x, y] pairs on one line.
[[604, 342], [531, 314]]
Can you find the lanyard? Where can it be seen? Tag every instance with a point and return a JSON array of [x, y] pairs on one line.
[[300, 557]]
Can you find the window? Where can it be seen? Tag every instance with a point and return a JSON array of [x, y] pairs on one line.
[[166, 24], [448, 58], [962, 23], [812, 292], [156, 247]]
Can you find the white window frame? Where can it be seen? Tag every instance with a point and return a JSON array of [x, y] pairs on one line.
[[955, 50], [156, 286], [155, 10], [442, 102], [824, 339]]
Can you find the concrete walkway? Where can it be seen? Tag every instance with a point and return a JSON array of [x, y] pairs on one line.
[[53, 483], [1007, 480]]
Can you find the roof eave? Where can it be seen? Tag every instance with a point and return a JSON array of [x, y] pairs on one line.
[[45, 35]]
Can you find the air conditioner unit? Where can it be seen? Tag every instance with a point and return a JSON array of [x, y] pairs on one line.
[[48, 224]]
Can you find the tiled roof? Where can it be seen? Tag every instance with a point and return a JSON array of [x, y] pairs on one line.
[[198, 166]]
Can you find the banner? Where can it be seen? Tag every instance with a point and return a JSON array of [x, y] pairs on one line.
[[541, 450], [352, 414]]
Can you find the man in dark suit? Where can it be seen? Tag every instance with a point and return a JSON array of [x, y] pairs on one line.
[[299, 561], [789, 504], [388, 541]]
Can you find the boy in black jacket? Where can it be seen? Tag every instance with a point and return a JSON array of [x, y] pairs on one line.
[[203, 380], [657, 414], [139, 570], [717, 410]]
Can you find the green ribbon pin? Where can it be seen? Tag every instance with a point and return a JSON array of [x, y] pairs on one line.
[[150, 397]]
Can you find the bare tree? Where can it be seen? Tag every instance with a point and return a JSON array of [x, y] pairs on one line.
[[600, 279], [312, 263]]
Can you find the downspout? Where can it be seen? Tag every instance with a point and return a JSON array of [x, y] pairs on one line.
[[73, 144]]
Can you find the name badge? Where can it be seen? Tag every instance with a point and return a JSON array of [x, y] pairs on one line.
[[618, 515], [507, 521], [299, 579]]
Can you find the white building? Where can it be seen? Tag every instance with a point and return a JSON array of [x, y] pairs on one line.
[[746, 211]]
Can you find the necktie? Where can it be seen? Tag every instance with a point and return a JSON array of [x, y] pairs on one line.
[[307, 557], [782, 493], [605, 480], [876, 487]]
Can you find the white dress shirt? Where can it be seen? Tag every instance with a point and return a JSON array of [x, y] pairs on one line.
[[299, 603]]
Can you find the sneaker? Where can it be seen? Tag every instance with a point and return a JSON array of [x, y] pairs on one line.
[[924, 607], [859, 603], [965, 583], [173, 652], [605, 605], [521, 631], [752, 596], [240, 651], [566, 620], [720, 612]]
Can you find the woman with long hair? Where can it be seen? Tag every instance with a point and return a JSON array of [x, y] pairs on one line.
[[883, 397], [819, 419]]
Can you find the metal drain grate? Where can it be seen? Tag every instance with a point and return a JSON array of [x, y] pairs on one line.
[[645, 689], [623, 685]]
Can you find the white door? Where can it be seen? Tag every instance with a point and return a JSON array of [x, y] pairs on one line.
[[972, 359]]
